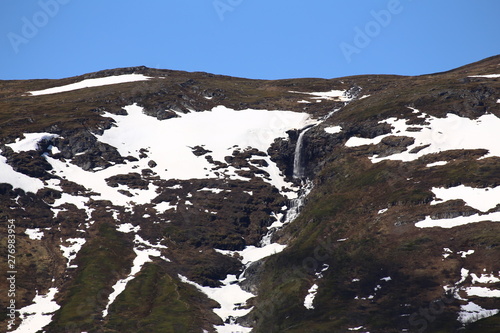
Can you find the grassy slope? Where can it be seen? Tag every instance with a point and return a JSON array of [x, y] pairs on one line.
[[101, 261], [349, 191]]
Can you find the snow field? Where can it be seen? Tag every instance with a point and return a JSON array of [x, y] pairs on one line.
[[451, 132], [339, 95], [231, 297], [30, 141], [38, 314], [103, 81]]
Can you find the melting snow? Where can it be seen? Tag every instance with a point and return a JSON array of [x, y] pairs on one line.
[[428, 222], [34, 234], [482, 292], [142, 257], [162, 207], [485, 278], [333, 129], [175, 160], [70, 251], [439, 163], [382, 211], [39, 314], [447, 252], [95, 181], [464, 254], [16, 179], [213, 190], [128, 227], [340, 95], [451, 132], [102, 81], [253, 253], [30, 141], [482, 199], [489, 76], [231, 298], [311, 294], [472, 312]]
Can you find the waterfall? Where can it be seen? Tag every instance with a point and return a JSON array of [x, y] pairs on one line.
[[297, 203], [298, 167], [294, 208]]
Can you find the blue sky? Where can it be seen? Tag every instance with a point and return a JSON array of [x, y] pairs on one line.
[[246, 38]]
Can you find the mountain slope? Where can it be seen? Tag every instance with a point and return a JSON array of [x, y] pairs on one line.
[[165, 201]]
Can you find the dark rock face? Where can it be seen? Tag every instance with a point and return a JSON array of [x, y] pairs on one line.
[[30, 163], [86, 151]]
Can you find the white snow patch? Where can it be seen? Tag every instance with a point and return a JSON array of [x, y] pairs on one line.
[[386, 279], [95, 182], [382, 211], [162, 207], [35, 234], [482, 292], [488, 76], [482, 199], [231, 298], [54, 150], [355, 328], [252, 253], [309, 299], [213, 190], [30, 141], [339, 95], [16, 179], [139, 240], [333, 129], [439, 163], [464, 254], [464, 273], [485, 278], [446, 252], [102, 81], [70, 251], [218, 129], [79, 201], [472, 312], [128, 227], [39, 314], [142, 257], [451, 132], [428, 222], [233, 328]]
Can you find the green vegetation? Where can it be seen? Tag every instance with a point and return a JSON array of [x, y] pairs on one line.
[[153, 302], [102, 261], [487, 325]]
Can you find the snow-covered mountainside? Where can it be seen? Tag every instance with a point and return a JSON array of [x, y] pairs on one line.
[[144, 200]]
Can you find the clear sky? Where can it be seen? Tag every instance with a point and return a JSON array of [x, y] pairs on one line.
[[266, 39]]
